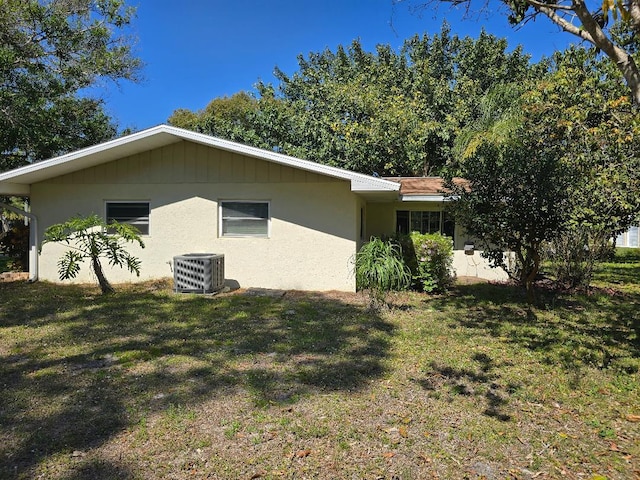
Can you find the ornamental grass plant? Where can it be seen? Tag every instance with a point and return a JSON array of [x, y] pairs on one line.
[[380, 268]]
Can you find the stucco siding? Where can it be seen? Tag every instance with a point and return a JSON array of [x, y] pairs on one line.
[[313, 218]]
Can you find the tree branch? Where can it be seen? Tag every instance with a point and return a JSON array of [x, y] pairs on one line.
[[561, 22]]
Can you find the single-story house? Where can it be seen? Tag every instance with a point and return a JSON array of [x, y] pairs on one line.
[[281, 222]]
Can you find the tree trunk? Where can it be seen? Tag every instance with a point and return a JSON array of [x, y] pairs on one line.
[[634, 13], [530, 279], [105, 286], [591, 32], [619, 56]]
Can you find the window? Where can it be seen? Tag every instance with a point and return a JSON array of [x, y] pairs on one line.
[[132, 213], [408, 221], [244, 219], [630, 238]]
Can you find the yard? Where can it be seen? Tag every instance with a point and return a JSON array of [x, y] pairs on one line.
[[149, 384]]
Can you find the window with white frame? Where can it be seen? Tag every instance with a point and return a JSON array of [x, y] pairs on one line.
[[424, 221], [132, 213], [244, 218], [630, 238]]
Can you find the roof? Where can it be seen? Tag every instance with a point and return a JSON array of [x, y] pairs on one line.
[[18, 181], [423, 188]]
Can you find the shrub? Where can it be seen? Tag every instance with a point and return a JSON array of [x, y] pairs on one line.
[[573, 255], [14, 243], [626, 255], [379, 268], [429, 257]]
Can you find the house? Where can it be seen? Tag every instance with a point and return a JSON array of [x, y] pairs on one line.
[[281, 222]]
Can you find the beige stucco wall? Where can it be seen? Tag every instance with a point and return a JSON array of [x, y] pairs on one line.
[[381, 220], [314, 219]]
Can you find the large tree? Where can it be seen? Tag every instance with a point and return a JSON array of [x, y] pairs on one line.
[[611, 26], [51, 51], [552, 160], [585, 110], [387, 112], [515, 196]]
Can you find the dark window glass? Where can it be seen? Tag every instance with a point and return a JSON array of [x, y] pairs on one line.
[[245, 219], [424, 222], [132, 213], [402, 222]]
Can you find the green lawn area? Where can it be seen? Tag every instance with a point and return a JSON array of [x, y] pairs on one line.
[[474, 384]]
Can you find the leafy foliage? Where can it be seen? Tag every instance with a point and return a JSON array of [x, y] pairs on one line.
[[590, 22], [379, 268], [551, 160], [90, 238], [14, 243], [517, 196], [50, 51], [389, 112], [584, 109], [431, 266]]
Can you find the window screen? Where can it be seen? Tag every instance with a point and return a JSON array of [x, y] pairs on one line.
[[132, 213], [245, 219]]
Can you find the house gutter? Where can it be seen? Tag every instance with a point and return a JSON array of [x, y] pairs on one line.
[[428, 198], [33, 240]]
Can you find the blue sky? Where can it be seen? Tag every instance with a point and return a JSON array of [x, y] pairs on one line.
[[197, 50]]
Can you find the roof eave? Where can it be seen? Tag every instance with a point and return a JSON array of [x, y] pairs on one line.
[[163, 135], [427, 198]]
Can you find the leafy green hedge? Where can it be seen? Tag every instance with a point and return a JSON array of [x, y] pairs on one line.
[[429, 256]]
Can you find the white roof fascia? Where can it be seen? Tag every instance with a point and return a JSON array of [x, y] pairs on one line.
[[81, 154], [427, 198], [163, 135]]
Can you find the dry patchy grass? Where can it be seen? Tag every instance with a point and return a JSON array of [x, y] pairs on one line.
[[475, 384]]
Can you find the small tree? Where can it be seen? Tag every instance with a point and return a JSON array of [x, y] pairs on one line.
[[91, 238], [379, 268]]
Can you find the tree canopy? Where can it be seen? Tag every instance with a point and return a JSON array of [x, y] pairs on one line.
[[552, 160], [389, 112], [611, 26], [51, 51]]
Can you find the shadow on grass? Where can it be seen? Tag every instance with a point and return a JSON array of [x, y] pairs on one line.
[[575, 330], [84, 367], [618, 273], [481, 382]]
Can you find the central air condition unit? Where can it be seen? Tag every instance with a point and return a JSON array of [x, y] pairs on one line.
[[198, 272]]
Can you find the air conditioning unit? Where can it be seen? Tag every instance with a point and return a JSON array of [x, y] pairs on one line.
[[198, 272]]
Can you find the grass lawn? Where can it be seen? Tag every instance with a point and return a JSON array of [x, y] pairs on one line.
[[475, 384]]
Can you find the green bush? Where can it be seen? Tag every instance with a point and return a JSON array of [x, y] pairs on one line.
[[14, 244], [429, 256], [379, 268], [573, 255]]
